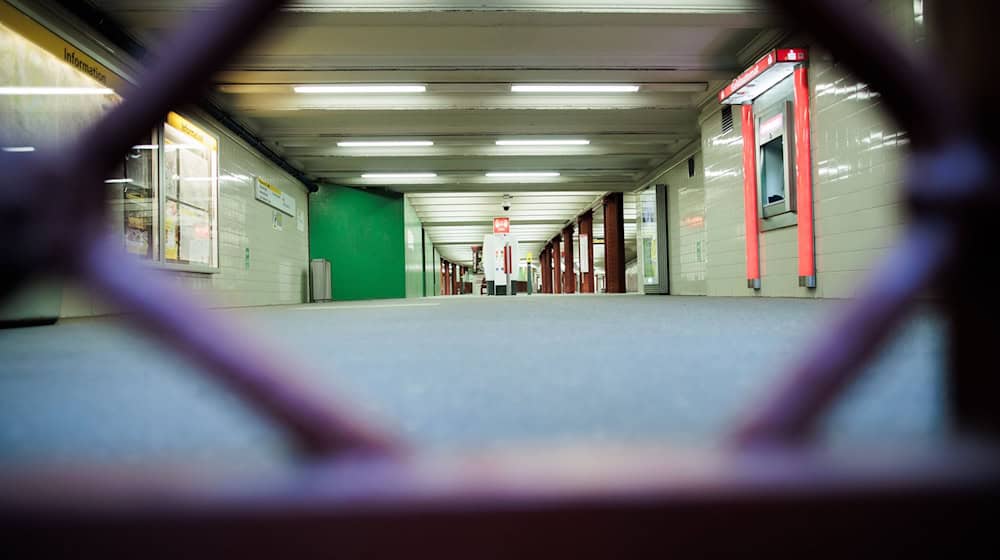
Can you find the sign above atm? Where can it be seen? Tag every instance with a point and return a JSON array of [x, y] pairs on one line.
[[762, 76], [501, 225]]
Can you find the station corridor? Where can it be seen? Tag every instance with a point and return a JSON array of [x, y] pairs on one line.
[[497, 279], [432, 372]]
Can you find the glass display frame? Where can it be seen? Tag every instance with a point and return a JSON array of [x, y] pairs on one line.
[[174, 256]]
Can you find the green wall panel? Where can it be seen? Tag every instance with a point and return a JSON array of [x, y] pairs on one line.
[[361, 233], [430, 268], [413, 243]]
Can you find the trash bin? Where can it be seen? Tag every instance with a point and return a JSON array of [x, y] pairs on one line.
[[319, 275]]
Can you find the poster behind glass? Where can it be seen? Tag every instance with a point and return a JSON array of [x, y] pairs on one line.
[[191, 172], [648, 234]]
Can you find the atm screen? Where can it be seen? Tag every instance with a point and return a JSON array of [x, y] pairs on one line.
[[773, 171]]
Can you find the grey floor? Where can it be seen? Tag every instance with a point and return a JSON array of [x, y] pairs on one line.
[[460, 372]]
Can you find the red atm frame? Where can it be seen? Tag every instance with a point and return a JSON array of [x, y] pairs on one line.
[[769, 70]]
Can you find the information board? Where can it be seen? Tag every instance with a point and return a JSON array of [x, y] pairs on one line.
[[273, 197]]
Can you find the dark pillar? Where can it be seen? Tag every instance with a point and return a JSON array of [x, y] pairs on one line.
[[556, 266], [586, 229], [569, 277], [546, 261], [614, 243], [446, 286], [454, 279]]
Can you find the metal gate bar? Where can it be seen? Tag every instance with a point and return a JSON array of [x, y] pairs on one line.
[[765, 495]]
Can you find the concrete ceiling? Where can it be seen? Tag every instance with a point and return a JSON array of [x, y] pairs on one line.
[[468, 53]]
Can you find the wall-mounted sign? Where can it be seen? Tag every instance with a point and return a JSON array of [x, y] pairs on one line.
[[765, 73], [192, 130], [273, 197], [33, 31], [501, 225]]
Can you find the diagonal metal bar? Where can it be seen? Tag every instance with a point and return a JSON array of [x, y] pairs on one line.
[[927, 105], [918, 92], [319, 427], [791, 411], [613, 503], [179, 76], [318, 424]]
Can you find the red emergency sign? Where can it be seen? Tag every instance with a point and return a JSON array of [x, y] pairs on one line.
[[501, 225]]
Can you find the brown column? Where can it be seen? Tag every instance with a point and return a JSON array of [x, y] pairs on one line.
[[556, 266], [587, 229], [569, 277], [446, 287], [546, 261], [614, 243], [454, 279]]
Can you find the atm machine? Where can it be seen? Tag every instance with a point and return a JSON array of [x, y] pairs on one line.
[[773, 97], [500, 260]]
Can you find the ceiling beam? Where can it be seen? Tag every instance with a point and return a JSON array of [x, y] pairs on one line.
[[512, 188], [480, 242], [362, 156], [487, 223]]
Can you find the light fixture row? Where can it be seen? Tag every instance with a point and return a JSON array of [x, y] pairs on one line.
[[421, 88], [490, 174], [427, 143]]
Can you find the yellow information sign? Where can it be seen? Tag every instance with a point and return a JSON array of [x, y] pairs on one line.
[[24, 25], [187, 127]]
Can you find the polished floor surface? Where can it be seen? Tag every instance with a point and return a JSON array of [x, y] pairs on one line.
[[458, 372]]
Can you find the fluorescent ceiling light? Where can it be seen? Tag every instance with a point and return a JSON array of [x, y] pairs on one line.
[[522, 174], [146, 147], [398, 175], [118, 181], [543, 142], [574, 88], [386, 144], [19, 149], [369, 88], [30, 90]]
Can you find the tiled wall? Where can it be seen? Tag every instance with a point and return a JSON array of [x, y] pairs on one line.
[[725, 266], [857, 168], [413, 247], [430, 267], [686, 241], [277, 271]]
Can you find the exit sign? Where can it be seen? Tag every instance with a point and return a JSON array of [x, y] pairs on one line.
[[501, 225]]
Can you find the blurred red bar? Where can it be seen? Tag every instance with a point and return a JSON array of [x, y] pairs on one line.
[[750, 198], [803, 179]]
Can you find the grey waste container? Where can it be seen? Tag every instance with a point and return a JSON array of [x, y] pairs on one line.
[[319, 275]]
